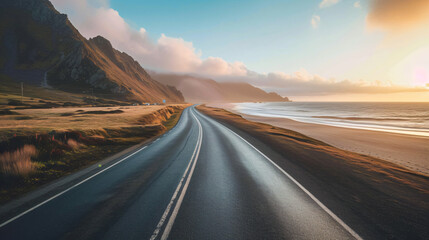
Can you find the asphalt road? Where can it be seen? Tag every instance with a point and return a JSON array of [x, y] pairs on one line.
[[200, 180]]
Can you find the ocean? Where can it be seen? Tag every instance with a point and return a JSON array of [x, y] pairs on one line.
[[405, 118]]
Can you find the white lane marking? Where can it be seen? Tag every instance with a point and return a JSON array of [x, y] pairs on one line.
[[326, 209], [170, 222], [68, 189], [182, 195], [167, 210]]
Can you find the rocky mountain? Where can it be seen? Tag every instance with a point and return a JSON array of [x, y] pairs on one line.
[[199, 90], [39, 45]]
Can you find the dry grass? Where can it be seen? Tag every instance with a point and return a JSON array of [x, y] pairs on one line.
[[18, 163], [63, 119], [73, 143], [68, 142]]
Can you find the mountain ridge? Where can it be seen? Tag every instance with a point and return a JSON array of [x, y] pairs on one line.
[[40, 46], [200, 89]]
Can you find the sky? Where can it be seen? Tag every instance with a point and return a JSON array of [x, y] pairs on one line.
[[334, 50]]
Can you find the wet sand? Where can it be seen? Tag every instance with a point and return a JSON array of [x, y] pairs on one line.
[[408, 151]]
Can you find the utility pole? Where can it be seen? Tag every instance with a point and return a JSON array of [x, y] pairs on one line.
[[22, 91]]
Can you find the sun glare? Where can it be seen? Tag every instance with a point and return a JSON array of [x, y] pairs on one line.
[[414, 69], [421, 77]]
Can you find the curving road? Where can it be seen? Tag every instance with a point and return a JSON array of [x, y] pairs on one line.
[[200, 180]]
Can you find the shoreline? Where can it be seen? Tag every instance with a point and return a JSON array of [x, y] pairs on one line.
[[391, 199], [409, 151]]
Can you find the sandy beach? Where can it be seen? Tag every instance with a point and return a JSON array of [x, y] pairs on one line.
[[409, 151], [385, 194]]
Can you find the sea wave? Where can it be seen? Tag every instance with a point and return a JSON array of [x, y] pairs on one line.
[[363, 118], [406, 118]]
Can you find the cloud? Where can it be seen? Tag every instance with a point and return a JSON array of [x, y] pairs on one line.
[[357, 4], [303, 83], [327, 3], [170, 54], [315, 21], [398, 14]]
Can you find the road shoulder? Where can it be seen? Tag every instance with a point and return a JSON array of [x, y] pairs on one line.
[[51, 188], [391, 198]]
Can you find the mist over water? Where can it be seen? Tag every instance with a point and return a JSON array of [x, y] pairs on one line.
[[406, 118]]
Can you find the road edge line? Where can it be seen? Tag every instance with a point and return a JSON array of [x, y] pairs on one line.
[[321, 205], [68, 189]]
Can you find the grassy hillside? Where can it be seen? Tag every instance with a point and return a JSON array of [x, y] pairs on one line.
[[34, 96]]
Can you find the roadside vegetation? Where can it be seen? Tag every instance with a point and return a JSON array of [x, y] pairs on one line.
[[40, 145]]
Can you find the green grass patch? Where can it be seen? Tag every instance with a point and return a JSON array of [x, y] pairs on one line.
[[172, 121]]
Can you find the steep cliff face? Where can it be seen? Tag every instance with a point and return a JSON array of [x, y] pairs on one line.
[[40, 46], [197, 90]]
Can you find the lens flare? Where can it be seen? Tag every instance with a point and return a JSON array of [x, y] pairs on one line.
[[421, 76], [413, 70]]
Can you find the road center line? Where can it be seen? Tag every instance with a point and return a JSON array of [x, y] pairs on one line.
[[321, 205], [192, 162], [68, 189]]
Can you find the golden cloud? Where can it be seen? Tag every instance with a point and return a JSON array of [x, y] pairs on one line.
[[398, 14]]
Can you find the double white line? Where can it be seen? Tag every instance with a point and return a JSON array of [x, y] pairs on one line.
[[186, 176]]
